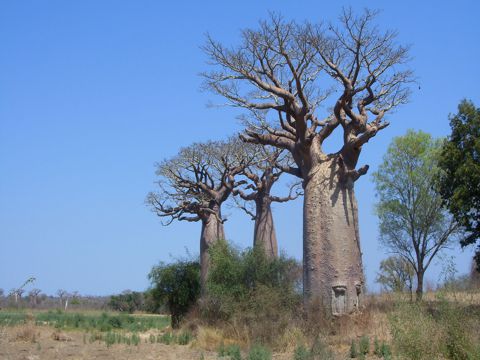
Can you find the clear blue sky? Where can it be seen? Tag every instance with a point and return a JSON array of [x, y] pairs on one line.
[[92, 93]]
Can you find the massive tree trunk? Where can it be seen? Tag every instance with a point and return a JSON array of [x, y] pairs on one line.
[[212, 230], [333, 272], [264, 235]]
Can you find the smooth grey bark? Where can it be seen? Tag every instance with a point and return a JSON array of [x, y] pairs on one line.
[[264, 235], [212, 231], [277, 74], [333, 272]]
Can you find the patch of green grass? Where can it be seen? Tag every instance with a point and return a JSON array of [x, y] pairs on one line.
[[259, 352], [105, 322], [231, 352], [184, 338]]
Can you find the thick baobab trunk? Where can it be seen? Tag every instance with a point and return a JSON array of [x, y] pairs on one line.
[[212, 230], [333, 272], [264, 235]]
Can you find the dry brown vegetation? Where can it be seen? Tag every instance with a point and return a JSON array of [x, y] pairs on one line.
[[445, 326]]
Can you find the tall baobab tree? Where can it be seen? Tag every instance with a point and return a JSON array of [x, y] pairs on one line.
[[194, 185], [261, 175], [282, 72]]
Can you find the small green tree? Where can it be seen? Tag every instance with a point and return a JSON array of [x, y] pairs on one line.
[[396, 274], [460, 179], [413, 221], [177, 285]]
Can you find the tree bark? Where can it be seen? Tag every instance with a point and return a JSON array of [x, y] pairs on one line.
[[264, 235], [212, 230], [333, 272], [419, 291]]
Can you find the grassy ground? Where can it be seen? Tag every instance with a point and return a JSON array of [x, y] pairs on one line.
[[445, 326]]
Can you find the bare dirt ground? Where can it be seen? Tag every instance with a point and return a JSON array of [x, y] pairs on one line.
[[17, 343], [30, 342]]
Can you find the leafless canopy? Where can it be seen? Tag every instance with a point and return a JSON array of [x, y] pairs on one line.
[[200, 175], [289, 69], [264, 171]]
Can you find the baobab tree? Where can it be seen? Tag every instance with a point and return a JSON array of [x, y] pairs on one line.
[[194, 185], [261, 175], [17, 294], [33, 296], [282, 72]]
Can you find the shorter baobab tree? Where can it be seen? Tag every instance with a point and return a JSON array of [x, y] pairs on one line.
[[413, 221], [261, 175], [193, 186], [33, 297]]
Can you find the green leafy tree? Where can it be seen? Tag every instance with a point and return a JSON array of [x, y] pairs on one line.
[[176, 285], [396, 274], [413, 222], [460, 179], [127, 301]]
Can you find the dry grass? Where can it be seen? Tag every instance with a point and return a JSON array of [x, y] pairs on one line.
[[26, 333]]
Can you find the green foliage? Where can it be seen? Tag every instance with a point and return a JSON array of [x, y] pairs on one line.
[[385, 351], [460, 178], [231, 351], [184, 338], [396, 274], [410, 208], [177, 285], [364, 345], [104, 322], [259, 352], [301, 353], [127, 302], [166, 338], [448, 330], [320, 350], [376, 347], [251, 290], [353, 350]]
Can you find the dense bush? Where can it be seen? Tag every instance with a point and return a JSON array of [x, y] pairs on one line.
[[129, 301], [443, 329], [176, 285], [255, 293]]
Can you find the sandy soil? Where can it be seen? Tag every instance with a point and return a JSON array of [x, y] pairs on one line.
[[16, 343], [30, 342]]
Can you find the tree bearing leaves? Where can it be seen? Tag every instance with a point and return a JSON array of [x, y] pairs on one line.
[[263, 172], [396, 274], [460, 179], [194, 185], [177, 285], [413, 221], [282, 72], [127, 301]]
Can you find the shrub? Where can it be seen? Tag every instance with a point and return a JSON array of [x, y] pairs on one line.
[[230, 351], [376, 347], [259, 352], [353, 350], [414, 332], [443, 329], [364, 345], [184, 338], [129, 301], [255, 293], [320, 350], [301, 353], [166, 338], [177, 285]]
